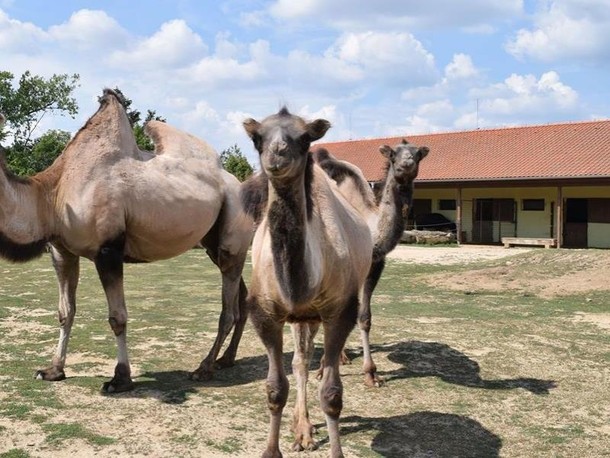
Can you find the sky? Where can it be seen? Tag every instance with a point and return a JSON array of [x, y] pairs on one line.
[[373, 68]]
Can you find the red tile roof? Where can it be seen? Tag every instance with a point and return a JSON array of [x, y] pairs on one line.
[[568, 150]]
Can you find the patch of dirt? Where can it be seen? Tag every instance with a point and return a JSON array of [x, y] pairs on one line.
[[598, 319], [528, 270]]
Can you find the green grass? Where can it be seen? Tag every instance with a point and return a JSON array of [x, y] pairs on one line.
[[501, 372]]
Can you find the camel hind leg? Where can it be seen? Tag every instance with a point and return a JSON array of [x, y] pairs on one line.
[[67, 269], [109, 265], [233, 315]]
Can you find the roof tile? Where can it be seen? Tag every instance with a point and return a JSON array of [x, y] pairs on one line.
[[568, 150]]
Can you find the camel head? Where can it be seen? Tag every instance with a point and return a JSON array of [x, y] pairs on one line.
[[404, 159], [282, 141]]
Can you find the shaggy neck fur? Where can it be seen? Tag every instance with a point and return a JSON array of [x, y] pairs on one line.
[[289, 211]]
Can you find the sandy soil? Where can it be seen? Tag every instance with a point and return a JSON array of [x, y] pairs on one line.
[[452, 255]]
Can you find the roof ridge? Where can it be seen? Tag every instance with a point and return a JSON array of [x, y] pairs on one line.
[[453, 132]]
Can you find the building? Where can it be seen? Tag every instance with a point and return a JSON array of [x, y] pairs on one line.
[[545, 181]]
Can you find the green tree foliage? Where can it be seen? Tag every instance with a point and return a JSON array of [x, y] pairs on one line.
[[135, 119], [233, 161], [24, 105], [43, 152], [34, 97]]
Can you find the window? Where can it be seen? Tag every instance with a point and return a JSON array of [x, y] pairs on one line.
[[535, 205], [446, 204], [599, 210]]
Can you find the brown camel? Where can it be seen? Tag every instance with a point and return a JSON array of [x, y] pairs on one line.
[[310, 257], [106, 200], [386, 219]]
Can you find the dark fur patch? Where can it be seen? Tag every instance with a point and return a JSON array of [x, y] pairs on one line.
[[254, 194], [21, 252], [109, 261]]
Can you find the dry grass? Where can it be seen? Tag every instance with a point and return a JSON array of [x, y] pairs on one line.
[[481, 359]]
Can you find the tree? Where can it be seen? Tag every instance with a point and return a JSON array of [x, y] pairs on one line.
[[233, 161], [144, 142], [43, 152], [24, 107], [34, 97]]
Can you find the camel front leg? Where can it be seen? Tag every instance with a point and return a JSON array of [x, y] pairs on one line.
[[67, 269], [303, 335], [109, 265], [364, 322], [336, 332], [270, 333]]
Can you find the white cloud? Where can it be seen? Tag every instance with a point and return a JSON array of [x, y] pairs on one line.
[[397, 57], [89, 30], [20, 37], [397, 14], [576, 29], [175, 44], [460, 67], [524, 96]]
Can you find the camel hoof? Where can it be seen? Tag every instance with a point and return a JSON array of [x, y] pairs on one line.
[[117, 386], [224, 362], [50, 375], [372, 381], [275, 453], [201, 375], [302, 445]]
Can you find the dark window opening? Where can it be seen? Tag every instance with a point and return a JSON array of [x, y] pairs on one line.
[[447, 204], [536, 205]]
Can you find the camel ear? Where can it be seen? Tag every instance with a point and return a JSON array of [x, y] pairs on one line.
[[252, 126], [423, 152], [316, 129], [405, 141], [387, 151]]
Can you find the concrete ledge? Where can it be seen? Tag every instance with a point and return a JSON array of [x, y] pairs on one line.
[[535, 241]]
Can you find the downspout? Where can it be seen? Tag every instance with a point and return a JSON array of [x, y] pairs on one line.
[[559, 217], [458, 222]]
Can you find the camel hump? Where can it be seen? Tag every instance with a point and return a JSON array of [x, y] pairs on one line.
[[171, 141]]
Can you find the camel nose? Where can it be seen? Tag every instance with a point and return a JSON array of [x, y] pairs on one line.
[[279, 147]]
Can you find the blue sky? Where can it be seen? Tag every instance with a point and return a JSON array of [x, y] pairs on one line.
[[373, 68]]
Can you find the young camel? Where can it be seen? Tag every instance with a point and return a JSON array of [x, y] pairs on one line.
[[386, 220], [105, 200], [310, 256]]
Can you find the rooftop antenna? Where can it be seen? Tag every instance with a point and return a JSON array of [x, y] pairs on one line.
[[350, 125]]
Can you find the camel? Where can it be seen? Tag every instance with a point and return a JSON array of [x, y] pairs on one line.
[[106, 200], [386, 220], [310, 256]]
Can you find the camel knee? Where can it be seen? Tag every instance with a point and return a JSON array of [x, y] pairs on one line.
[[331, 400], [65, 319], [277, 394], [117, 325], [364, 320]]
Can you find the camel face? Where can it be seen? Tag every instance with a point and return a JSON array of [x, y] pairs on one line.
[[283, 140], [404, 160]]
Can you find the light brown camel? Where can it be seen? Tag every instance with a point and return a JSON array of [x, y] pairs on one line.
[[386, 219], [106, 200], [310, 256]]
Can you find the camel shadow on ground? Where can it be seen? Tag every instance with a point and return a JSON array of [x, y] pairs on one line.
[[433, 359], [426, 434]]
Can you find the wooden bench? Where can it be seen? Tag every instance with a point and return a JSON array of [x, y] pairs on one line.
[[536, 241]]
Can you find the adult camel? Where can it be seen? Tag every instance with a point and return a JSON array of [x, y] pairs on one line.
[[386, 219], [310, 256], [106, 200]]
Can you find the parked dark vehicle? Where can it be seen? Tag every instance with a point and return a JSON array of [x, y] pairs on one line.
[[434, 222]]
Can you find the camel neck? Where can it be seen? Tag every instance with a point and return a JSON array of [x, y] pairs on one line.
[[287, 218], [393, 211], [23, 226]]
